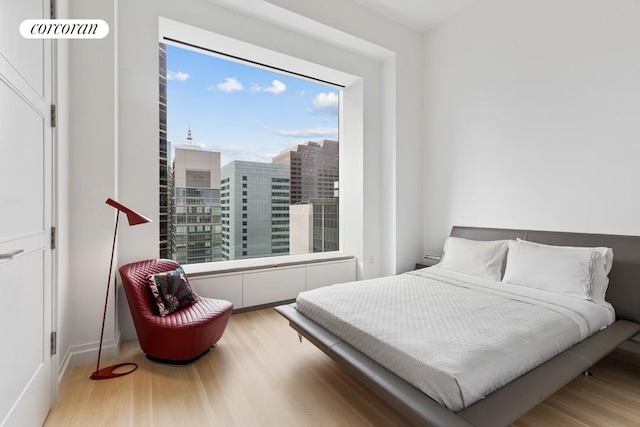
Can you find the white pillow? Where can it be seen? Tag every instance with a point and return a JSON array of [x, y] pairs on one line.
[[573, 271], [475, 257]]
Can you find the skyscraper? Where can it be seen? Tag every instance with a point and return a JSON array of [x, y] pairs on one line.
[[313, 169], [164, 211], [255, 209], [325, 224], [314, 226], [196, 224], [314, 201]]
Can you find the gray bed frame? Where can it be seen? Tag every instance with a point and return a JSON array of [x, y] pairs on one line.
[[510, 402]]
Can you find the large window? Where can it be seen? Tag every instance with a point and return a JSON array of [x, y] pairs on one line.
[[248, 160]]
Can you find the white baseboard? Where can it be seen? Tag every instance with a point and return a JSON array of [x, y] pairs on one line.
[[85, 354]]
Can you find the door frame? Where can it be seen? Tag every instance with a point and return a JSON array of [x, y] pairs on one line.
[[55, 214]]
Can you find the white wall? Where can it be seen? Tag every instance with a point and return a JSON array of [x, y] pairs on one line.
[[531, 118], [113, 140], [87, 158]]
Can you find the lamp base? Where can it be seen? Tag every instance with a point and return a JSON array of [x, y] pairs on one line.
[[108, 372]]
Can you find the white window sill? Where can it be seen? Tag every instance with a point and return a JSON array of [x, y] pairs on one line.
[[240, 265]]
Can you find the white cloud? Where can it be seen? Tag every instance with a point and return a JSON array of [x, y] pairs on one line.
[[276, 88], [326, 103], [231, 84], [309, 133], [177, 75], [301, 92]]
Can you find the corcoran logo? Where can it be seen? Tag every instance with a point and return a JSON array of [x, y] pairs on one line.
[[64, 29]]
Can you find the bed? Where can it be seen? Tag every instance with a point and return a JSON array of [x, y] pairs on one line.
[[470, 390]]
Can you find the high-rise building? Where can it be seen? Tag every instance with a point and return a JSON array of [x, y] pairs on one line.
[[325, 224], [196, 224], [314, 199], [314, 226], [164, 210], [300, 228], [255, 209], [313, 169]]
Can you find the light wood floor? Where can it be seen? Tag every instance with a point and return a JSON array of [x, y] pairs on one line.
[[260, 375]]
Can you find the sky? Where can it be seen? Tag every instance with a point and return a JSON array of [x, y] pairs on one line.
[[244, 112]]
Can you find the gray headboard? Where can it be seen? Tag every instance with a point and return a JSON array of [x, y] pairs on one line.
[[624, 279]]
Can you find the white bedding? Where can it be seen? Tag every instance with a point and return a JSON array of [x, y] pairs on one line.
[[455, 337]]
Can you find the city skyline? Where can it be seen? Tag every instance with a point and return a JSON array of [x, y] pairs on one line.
[[243, 209], [243, 112], [231, 200]]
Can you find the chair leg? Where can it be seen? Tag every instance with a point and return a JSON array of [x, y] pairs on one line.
[[180, 362]]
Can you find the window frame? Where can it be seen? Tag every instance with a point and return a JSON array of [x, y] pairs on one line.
[[350, 232]]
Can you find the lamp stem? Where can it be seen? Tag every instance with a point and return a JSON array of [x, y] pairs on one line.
[[106, 299]]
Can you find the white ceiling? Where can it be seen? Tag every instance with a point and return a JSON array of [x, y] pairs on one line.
[[421, 15]]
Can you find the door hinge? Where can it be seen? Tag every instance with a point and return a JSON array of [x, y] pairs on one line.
[[53, 237], [54, 343], [54, 118], [52, 9]]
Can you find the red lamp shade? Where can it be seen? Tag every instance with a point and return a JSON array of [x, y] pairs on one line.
[[133, 217]]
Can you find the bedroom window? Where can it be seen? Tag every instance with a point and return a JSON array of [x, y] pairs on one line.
[[249, 159]]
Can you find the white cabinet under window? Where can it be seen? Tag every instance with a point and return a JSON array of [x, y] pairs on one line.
[[324, 274], [275, 284], [264, 286]]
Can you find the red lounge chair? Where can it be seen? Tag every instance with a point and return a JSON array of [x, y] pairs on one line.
[[181, 337]]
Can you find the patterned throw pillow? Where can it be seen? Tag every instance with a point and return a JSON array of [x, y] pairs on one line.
[[171, 291]]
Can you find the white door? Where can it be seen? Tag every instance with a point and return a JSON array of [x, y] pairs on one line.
[[25, 218]]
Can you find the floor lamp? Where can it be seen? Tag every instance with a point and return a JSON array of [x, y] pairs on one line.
[[134, 218]]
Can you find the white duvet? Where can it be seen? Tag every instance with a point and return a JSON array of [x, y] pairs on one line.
[[455, 337]]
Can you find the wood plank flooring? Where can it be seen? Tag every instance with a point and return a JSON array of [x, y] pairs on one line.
[[260, 375]]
